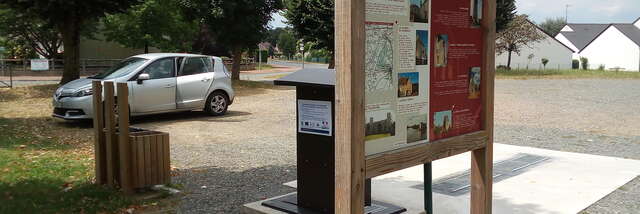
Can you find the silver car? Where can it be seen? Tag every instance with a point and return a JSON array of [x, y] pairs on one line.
[[158, 83]]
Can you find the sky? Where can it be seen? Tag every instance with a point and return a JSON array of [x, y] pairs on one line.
[[580, 11], [277, 21]]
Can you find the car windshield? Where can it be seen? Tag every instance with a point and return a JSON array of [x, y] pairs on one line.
[[124, 67]]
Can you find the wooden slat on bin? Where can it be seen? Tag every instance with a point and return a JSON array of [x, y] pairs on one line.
[[140, 162], [154, 159], [123, 138], [159, 148], [167, 159], [100, 149], [147, 160], [110, 126], [134, 161]]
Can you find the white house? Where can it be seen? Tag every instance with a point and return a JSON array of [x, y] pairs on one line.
[[558, 54], [614, 46]]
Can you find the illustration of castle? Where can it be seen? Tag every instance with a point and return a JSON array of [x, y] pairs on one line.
[[386, 126], [421, 52], [405, 88]]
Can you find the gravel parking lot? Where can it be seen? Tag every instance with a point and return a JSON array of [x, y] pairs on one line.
[[224, 162]]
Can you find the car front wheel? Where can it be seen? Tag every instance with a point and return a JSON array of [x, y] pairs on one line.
[[217, 104]]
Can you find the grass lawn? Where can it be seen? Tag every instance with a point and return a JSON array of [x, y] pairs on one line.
[[46, 165], [565, 74], [263, 67], [375, 137]]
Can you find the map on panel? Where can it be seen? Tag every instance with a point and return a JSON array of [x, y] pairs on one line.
[[379, 56]]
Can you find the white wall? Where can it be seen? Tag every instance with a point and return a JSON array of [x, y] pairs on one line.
[[558, 55], [613, 49]]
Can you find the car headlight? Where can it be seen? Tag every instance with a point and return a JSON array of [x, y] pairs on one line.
[[83, 92]]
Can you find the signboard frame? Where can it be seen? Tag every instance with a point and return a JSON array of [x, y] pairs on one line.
[[40, 64], [353, 166]]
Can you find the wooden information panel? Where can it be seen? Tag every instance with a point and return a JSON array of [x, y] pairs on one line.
[[414, 84]]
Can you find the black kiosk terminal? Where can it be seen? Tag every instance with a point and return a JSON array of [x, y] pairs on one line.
[[315, 99]]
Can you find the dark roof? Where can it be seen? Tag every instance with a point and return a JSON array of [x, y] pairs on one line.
[[630, 31], [309, 77], [545, 32], [583, 34]]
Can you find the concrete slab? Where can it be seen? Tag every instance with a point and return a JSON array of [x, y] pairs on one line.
[[565, 183]]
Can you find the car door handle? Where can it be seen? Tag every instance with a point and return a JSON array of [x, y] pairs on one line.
[[206, 79], [169, 86]]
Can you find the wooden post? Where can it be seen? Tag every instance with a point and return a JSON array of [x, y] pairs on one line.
[[124, 148], [350, 154], [99, 137], [110, 127], [482, 159]]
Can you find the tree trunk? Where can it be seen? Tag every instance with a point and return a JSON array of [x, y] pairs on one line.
[[332, 61], [509, 61], [237, 60], [70, 31], [146, 47]]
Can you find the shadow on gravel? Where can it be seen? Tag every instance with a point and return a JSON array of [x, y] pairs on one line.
[[189, 116], [220, 190]]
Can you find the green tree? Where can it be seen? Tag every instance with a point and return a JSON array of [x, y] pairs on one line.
[[313, 22], [545, 61], [152, 23], [273, 35], [238, 24], [23, 30], [505, 13], [584, 61], [69, 16], [553, 25], [518, 34], [17, 49], [287, 44]]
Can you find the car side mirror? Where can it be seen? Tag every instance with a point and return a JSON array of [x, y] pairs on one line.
[[143, 77]]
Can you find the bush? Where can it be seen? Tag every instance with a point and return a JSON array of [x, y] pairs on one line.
[[585, 63], [601, 67], [575, 64], [544, 62]]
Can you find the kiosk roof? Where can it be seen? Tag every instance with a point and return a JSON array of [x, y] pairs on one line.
[[309, 77]]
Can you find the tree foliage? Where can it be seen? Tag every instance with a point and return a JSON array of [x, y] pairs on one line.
[[26, 31], [519, 33], [287, 43], [273, 35], [237, 24], [154, 23], [553, 25], [68, 16], [313, 21], [16, 49], [505, 13]]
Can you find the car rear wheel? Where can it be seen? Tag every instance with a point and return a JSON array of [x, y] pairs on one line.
[[217, 104]]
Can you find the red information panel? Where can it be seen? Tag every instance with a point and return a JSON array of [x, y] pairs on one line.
[[456, 56]]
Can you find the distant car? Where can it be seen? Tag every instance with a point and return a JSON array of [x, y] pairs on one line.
[[158, 83]]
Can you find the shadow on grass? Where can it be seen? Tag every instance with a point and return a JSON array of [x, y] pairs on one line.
[[221, 190], [39, 133], [48, 196], [27, 92]]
